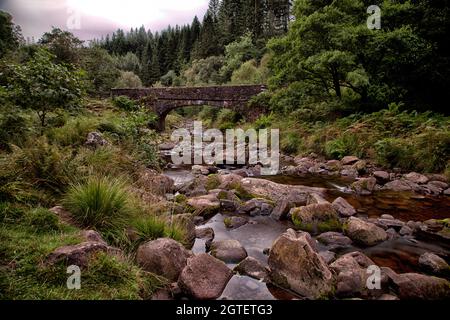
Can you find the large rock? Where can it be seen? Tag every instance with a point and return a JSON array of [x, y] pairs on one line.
[[277, 192], [77, 255], [195, 187], [382, 176], [204, 277], [257, 207], [414, 286], [349, 160], [296, 265], [334, 240], [155, 183], [252, 268], [229, 251], [316, 218], [205, 205], [364, 186], [364, 233], [351, 270], [417, 178], [344, 208], [206, 234], [95, 140], [434, 264], [229, 181], [401, 186], [281, 209], [164, 257]]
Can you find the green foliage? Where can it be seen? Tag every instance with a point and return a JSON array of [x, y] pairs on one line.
[[290, 143], [170, 79], [9, 34], [42, 220], [263, 122], [101, 72], [125, 103], [73, 133], [227, 119], [44, 86], [63, 45], [252, 73], [204, 71], [102, 203], [14, 128], [128, 80], [155, 227], [129, 62]]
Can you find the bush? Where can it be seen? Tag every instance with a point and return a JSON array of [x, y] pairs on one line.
[[73, 133], [125, 103], [291, 143], [42, 220], [263, 122], [393, 152], [14, 128], [128, 80], [101, 203]]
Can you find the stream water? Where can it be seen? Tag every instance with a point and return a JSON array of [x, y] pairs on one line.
[[400, 254]]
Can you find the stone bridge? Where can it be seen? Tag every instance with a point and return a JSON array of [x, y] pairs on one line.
[[164, 100]]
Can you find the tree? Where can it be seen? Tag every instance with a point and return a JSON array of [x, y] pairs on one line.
[[10, 36], [128, 80], [129, 62], [43, 86], [100, 69], [63, 44], [237, 53], [204, 71]]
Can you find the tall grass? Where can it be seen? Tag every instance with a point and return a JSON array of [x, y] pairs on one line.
[[102, 203]]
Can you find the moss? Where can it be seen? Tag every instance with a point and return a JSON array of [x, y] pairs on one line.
[[180, 198], [228, 222], [212, 182]]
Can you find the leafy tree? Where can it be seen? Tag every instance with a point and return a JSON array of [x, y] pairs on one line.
[[9, 34], [128, 80], [63, 44], [204, 71], [43, 86], [129, 62], [100, 68], [237, 53]]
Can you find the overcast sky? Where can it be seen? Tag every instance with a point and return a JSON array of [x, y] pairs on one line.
[[90, 19]]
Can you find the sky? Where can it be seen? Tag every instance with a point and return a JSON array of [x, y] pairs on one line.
[[89, 19]]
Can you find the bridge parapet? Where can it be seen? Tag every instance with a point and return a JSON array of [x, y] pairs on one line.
[[163, 100]]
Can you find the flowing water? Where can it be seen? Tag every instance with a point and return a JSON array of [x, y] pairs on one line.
[[259, 233]]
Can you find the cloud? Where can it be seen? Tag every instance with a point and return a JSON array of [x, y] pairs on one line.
[[90, 19]]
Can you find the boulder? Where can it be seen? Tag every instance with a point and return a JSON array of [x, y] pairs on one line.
[[281, 210], [351, 270], [349, 172], [316, 218], [92, 236], [349, 160], [296, 265], [235, 222], [364, 233], [381, 176], [401, 186], [390, 223], [344, 208], [204, 277], [435, 187], [414, 286], [277, 192], [164, 257], [229, 181], [197, 169], [417, 178], [327, 256], [95, 140], [434, 264], [257, 207], [155, 183], [206, 234], [447, 192], [77, 255], [406, 231], [229, 251], [364, 186], [252, 268], [333, 165], [195, 187], [314, 198], [334, 240], [360, 166], [205, 205]]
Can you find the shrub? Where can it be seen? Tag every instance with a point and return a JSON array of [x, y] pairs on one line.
[[291, 143], [263, 122], [101, 203], [128, 79], [393, 152], [125, 103], [13, 128], [73, 133]]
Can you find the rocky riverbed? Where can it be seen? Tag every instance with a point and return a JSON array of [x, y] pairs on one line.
[[313, 231]]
